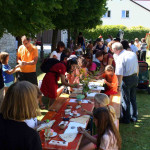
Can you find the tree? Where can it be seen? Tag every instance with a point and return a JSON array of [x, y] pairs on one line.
[[26, 17], [82, 14]]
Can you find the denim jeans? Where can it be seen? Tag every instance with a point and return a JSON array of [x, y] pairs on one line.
[[128, 91]]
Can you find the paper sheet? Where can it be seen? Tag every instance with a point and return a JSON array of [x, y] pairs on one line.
[[91, 94], [97, 88], [83, 119], [68, 137], [72, 127], [46, 125], [74, 101]]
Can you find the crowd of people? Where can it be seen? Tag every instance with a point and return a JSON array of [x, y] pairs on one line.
[[114, 61]]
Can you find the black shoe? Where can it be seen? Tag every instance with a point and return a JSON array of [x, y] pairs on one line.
[[124, 121], [133, 119]]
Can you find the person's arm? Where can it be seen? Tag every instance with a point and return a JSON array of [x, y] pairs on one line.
[[88, 112], [12, 70], [33, 62], [119, 81], [87, 135], [110, 60], [63, 81], [107, 83], [54, 56]]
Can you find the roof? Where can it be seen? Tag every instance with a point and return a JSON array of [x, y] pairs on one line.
[[143, 3]]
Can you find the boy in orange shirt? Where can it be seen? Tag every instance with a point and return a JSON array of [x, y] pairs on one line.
[[111, 80]]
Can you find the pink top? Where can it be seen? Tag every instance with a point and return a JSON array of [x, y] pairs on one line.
[[93, 67]]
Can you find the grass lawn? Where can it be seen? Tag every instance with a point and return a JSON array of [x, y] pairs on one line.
[[134, 136]]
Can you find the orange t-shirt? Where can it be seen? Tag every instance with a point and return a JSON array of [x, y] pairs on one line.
[[113, 80], [27, 55]]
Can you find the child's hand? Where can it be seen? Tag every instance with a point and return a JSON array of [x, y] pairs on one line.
[[81, 130], [84, 110]]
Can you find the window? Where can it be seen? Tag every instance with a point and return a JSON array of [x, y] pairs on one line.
[[125, 13], [107, 14]]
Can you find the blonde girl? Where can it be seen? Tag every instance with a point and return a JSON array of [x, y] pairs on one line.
[[102, 100]]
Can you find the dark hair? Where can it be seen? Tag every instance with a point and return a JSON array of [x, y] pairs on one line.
[[117, 39], [125, 44], [105, 123], [59, 45], [110, 37], [3, 57], [65, 54], [143, 40], [99, 54], [80, 33], [89, 56], [98, 40], [132, 42], [70, 62]]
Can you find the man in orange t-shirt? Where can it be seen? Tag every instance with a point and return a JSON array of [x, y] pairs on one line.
[[27, 58]]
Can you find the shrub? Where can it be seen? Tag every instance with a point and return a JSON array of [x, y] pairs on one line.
[[105, 30]]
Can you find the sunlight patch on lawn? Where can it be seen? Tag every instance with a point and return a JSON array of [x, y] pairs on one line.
[[146, 116], [137, 126]]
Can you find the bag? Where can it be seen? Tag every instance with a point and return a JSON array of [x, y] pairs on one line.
[[48, 63]]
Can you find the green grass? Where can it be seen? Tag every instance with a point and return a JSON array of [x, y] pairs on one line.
[[134, 136]]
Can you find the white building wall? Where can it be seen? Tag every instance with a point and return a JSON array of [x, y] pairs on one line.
[[138, 15]]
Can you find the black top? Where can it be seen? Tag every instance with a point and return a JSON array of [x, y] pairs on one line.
[[16, 135], [1, 77], [80, 40]]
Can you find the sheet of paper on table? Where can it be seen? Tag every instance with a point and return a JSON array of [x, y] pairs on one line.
[[72, 127], [46, 125], [74, 101], [97, 88], [68, 137], [83, 119]]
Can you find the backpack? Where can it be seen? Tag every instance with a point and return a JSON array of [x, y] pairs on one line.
[[48, 63]]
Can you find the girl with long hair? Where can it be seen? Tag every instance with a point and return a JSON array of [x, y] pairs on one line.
[[108, 137]]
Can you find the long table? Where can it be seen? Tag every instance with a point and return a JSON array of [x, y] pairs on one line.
[[58, 117]]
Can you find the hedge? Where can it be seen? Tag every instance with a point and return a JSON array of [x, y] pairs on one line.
[[105, 30]]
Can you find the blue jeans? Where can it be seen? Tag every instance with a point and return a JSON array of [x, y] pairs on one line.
[[128, 91]]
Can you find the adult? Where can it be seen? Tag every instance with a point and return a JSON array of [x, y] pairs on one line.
[[120, 34], [110, 38], [100, 46], [143, 50], [1, 85], [80, 40], [137, 43], [57, 54], [125, 45], [27, 58], [20, 103], [49, 84], [134, 48], [126, 71]]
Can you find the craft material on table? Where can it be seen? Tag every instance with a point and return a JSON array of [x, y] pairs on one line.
[[91, 95], [46, 125], [73, 127], [74, 101], [68, 137], [93, 87], [82, 120], [58, 143]]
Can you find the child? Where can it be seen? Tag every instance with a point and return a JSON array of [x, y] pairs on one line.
[[102, 100], [7, 71], [108, 137], [111, 80]]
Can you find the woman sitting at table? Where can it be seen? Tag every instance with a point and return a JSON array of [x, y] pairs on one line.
[[108, 137], [49, 84], [20, 103]]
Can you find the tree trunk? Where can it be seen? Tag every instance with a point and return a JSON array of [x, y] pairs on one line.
[[68, 44], [75, 35], [18, 38], [54, 39]]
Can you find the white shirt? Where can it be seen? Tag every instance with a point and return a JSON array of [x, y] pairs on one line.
[[134, 48], [58, 55], [95, 59], [32, 123], [108, 141], [54, 53], [126, 63]]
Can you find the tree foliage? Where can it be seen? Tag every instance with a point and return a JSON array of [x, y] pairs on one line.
[[26, 17]]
